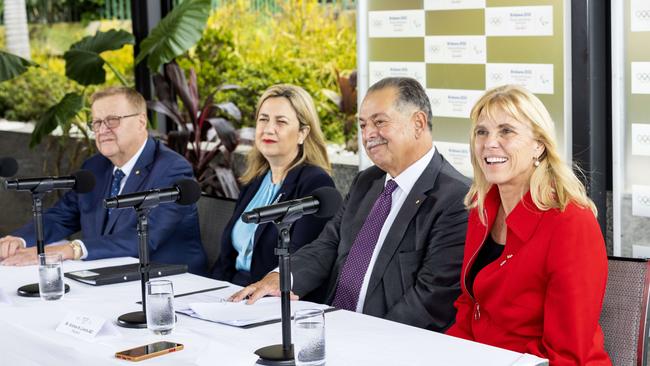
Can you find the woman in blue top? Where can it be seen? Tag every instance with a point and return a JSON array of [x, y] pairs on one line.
[[289, 161]]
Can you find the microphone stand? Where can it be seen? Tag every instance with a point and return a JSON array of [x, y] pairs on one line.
[[138, 319], [282, 354], [32, 290]]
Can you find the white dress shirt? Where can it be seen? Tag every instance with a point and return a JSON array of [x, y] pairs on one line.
[[405, 182]]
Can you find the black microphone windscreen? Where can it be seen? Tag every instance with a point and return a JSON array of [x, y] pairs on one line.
[[189, 191], [8, 167], [84, 181], [329, 201]]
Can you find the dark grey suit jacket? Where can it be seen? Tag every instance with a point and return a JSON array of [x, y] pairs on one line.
[[415, 279]]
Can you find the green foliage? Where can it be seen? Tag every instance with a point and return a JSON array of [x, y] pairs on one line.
[[12, 65], [174, 34], [28, 96], [303, 44], [60, 114]]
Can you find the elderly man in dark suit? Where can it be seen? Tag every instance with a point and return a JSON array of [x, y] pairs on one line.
[[395, 248], [128, 161]]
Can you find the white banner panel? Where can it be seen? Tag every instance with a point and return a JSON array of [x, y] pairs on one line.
[[379, 70], [518, 21], [640, 15], [641, 139], [538, 78], [640, 75], [455, 50], [641, 200], [396, 24], [456, 103]]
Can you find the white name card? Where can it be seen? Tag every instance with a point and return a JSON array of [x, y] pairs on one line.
[[538, 78], [4, 299], [519, 21], [396, 23], [455, 49], [86, 327]]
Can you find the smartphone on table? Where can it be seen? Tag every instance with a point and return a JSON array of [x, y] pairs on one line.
[[149, 351]]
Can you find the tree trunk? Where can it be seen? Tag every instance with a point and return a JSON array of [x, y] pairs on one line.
[[17, 34]]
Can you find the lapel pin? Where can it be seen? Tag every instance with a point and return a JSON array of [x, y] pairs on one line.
[[137, 172], [508, 256], [417, 202]]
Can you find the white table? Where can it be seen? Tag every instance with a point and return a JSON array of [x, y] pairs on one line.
[[28, 336]]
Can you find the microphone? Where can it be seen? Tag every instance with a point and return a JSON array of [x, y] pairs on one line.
[[82, 181], [184, 192], [323, 203], [8, 167]]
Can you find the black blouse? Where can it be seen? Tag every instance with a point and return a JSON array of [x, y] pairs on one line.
[[490, 251]]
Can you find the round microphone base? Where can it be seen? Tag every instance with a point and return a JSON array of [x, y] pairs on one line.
[[136, 319], [275, 355], [31, 290]]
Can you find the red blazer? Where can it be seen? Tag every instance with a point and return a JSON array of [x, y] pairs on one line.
[[544, 295]]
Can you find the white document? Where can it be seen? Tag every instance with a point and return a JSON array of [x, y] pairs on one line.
[[455, 103], [641, 200], [379, 70], [453, 4], [396, 23], [640, 15], [240, 314], [455, 50], [641, 139], [640, 75], [537, 78], [86, 327], [517, 21], [530, 360]]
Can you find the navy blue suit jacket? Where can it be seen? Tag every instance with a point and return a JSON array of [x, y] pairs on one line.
[[173, 229], [301, 181]]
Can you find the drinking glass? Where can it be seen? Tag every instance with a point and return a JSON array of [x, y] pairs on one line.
[[309, 337], [160, 306], [50, 276]]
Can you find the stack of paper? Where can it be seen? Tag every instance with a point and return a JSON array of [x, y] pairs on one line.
[[240, 314]]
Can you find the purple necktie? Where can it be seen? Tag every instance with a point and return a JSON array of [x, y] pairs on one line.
[[356, 265]]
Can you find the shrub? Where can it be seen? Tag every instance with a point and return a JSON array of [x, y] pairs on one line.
[[303, 44]]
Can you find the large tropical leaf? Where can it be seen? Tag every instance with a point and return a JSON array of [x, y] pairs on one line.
[[12, 65], [83, 62], [57, 115], [176, 33]]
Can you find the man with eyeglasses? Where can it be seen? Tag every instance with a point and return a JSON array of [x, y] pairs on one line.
[[128, 161]]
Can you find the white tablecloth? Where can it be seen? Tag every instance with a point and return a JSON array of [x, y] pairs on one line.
[[28, 336]]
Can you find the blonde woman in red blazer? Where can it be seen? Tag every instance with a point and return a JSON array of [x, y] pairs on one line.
[[535, 266]]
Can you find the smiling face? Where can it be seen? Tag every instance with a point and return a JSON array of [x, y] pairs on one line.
[[119, 144], [278, 132], [505, 150], [393, 138]]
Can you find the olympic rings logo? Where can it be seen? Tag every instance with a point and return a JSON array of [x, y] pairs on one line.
[[644, 200], [495, 21], [642, 14], [496, 76], [643, 77], [435, 102], [644, 139], [377, 23]]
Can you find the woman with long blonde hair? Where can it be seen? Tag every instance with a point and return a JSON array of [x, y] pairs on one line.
[[288, 161], [535, 265]]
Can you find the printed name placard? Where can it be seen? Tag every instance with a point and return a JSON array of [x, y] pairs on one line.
[[86, 327]]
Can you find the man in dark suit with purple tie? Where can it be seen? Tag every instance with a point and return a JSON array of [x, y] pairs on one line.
[[128, 161], [394, 250]]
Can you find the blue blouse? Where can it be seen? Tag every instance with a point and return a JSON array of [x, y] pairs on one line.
[[243, 235]]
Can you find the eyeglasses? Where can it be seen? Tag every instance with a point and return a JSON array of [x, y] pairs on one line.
[[110, 122]]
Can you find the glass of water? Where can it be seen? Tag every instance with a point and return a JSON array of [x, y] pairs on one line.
[[309, 337], [160, 306], [50, 276]]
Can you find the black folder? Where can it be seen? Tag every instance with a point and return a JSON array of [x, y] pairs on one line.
[[124, 273]]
